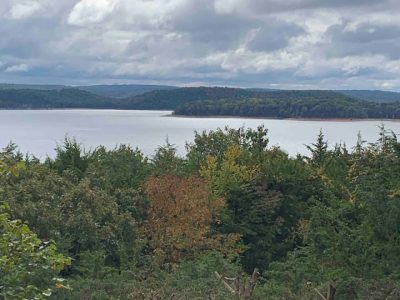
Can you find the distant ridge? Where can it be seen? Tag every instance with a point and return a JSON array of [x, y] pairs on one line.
[[123, 90], [208, 101], [112, 90], [373, 95], [12, 86], [51, 99]]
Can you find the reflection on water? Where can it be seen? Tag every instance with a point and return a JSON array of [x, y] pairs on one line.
[[39, 131]]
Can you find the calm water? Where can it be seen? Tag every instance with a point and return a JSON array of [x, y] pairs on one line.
[[39, 131]]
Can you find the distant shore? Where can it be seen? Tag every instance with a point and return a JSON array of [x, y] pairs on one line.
[[169, 114], [293, 119]]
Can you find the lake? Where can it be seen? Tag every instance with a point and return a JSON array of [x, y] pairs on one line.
[[39, 131]]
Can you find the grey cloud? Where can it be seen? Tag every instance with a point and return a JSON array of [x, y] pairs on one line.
[[364, 32], [249, 43], [272, 6], [199, 20], [366, 38], [274, 35]]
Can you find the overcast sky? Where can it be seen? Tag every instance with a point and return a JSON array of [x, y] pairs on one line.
[[324, 44]]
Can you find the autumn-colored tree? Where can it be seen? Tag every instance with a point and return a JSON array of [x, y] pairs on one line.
[[230, 172], [180, 219]]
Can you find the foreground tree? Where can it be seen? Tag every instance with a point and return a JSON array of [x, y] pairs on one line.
[[28, 266], [180, 219]]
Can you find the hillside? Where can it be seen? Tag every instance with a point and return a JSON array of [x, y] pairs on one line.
[[374, 96], [171, 99], [46, 99], [210, 101], [113, 90], [293, 104], [123, 90], [9, 86]]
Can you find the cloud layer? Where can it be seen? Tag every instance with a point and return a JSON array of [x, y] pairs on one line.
[[260, 43]]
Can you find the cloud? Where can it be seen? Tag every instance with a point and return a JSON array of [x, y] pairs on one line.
[[349, 38], [227, 6], [17, 68], [24, 9], [266, 38], [272, 6], [90, 11], [270, 43]]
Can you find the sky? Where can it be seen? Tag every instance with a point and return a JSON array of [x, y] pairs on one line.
[[296, 44]]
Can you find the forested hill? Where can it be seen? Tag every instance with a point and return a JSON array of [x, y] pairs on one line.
[[112, 90], [207, 101], [9, 86], [261, 103], [276, 106], [374, 96], [12, 98], [123, 90], [47, 99], [171, 99]]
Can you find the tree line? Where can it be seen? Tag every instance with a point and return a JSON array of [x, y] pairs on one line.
[[271, 107], [234, 218], [208, 101]]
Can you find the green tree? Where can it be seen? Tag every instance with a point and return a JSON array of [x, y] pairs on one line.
[[28, 266]]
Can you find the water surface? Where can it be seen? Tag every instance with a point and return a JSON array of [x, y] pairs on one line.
[[39, 131]]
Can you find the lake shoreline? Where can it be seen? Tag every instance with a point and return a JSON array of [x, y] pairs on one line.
[[39, 131], [290, 119], [209, 116]]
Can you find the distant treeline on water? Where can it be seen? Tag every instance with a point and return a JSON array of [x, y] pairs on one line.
[[207, 101]]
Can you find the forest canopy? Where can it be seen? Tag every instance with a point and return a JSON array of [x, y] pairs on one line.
[[280, 107], [234, 217]]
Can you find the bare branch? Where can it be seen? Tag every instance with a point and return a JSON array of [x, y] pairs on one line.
[[319, 293], [225, 283]]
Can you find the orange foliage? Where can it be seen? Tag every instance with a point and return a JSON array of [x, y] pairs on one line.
[[181, 214]]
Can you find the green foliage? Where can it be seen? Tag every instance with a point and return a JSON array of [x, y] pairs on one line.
[[205, 101], [189, 280], [216, 143], [28, 266], [70, 157], [350, 238], [305, 222], [119, 169], [292, 104], [123, 90], [51, 98], [374, 96], [166, 161]]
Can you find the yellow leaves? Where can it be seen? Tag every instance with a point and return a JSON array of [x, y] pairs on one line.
[[209, 170], [352, 198], [394, 193], [303, 225], [12, 170], [230, 172]]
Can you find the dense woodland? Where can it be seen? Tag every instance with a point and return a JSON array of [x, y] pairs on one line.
[[372, 95], [50, 99], [278, 106], [123, 90], [233, 219], [205, 101]]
